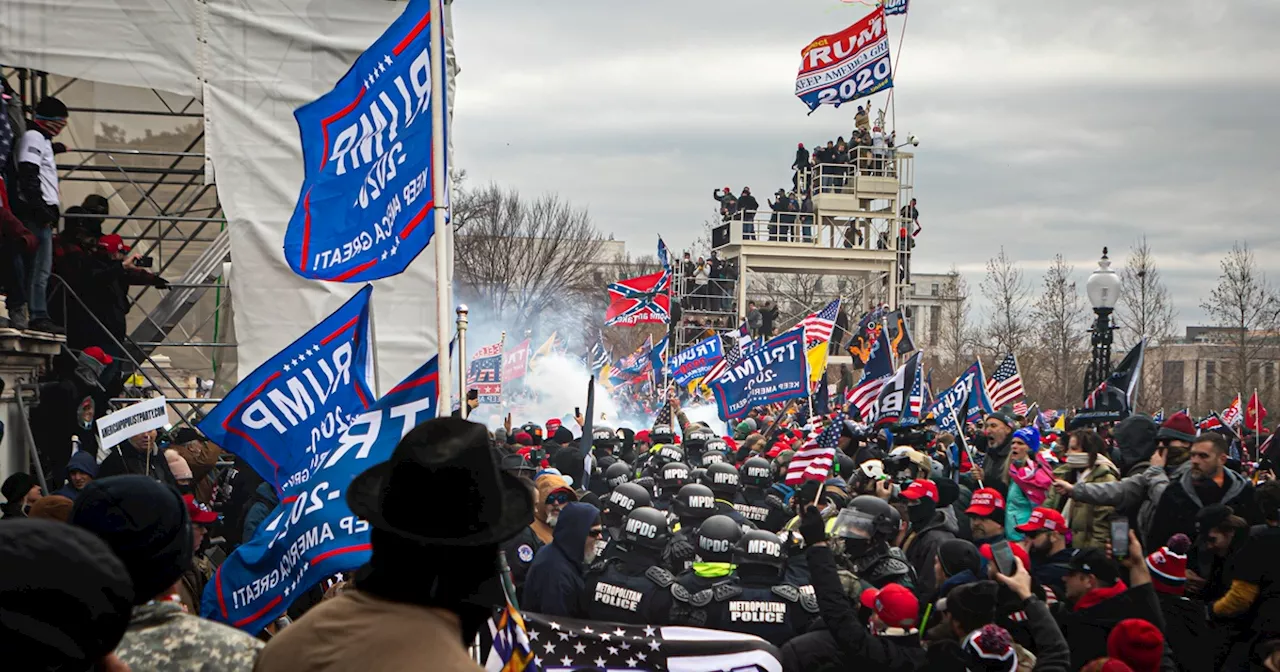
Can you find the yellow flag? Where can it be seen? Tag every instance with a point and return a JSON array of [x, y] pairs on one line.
[[542, 351], [1061, 424], [817, 356]]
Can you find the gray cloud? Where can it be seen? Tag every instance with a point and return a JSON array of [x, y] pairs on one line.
[[1044, 128]]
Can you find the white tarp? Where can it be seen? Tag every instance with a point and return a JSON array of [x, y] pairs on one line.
[[253, 62]]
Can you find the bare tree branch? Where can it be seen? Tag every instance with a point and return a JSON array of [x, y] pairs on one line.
[[1247, 308], [1006, 289], [1059, 317]]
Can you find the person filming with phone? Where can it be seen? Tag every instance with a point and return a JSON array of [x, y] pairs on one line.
[[102, 283]]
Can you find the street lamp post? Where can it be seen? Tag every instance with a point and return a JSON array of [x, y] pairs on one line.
[[1103, 288]]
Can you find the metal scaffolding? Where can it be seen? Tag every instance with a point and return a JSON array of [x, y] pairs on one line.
[[143, 150]]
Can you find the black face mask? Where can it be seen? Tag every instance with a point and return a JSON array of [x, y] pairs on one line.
[[855, 548], [921, 513]]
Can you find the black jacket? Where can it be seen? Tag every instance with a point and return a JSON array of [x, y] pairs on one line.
[[802, 159], [1180, 503], [922, 547], [1087, 629], [554, 582], [1185, 629], [123, 458]]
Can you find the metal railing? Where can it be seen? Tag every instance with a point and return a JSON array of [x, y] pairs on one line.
[[878, 231], [129, 349]]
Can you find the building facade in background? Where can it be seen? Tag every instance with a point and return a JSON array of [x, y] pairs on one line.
[[1203, 370]]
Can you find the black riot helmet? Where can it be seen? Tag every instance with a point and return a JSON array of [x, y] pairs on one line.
[[716, 538], [624, 499], [661, 434], [717, 444], [760, 547], [646, 527], [756, 473], [693, 504], [844, 465], [665, 453], [617, 474], [697, 438], [723, 479], [672, 476], [711, 457], [603, 437], [867, 517], [698, 475]]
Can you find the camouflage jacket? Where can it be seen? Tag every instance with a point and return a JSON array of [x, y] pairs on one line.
[[162, 637]]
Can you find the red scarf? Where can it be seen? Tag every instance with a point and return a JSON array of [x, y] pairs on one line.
[[1099, 595]]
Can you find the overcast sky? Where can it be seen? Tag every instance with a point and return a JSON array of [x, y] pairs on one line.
[[1044, 127]]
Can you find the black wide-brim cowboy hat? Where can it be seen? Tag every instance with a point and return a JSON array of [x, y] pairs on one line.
[[443, 460]]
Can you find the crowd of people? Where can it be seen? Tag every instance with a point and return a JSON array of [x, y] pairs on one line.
[[1145, 547], [1068, 552], [72, 279]]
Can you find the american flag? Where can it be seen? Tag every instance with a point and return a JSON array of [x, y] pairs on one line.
[[917, 399], [1005, 385], [729, 344], [818, 326], [1095, 396], [878, 369], [565, 645], [815, 459], [599, 357], [1020, 408], [743, 335]]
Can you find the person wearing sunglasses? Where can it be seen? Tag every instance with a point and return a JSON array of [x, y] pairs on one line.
[[554, 584], [553, 494]]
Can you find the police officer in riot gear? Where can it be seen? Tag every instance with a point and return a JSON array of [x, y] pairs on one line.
[[844, 465], [755, 505], [604, 444], [695, 443], [624, 499], [863, 532], [631, 586], [710, 575], [662, 435], [692, 505], [758, 603], [726, 483], [670, 479], [710, 457], [618, 473]]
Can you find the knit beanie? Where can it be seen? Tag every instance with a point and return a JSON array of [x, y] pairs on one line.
[[974, 602], [1179, 426], [145, 523], [1004, 416], [1138, 643], [1106, 665], [991, 648], [52, 507], [957, 555], [1168, 565]]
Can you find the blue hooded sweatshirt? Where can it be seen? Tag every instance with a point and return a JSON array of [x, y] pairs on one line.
[[81, 461], [554, 583]]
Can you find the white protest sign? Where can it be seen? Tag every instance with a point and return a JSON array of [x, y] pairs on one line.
[[143, 416]]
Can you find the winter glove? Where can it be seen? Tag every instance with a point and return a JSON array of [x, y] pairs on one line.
[[677, 552], [160, 283], [59, 148], [812, 526], [775, 502]]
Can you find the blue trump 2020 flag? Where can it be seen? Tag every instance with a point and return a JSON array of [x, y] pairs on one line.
[[312, 533], [364, 211], [285, 410], [966, 396], [696, 360], [776, 371]]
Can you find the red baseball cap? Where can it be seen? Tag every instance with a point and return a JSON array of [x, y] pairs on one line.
[[553, 424], [1044, 519], [113, 243], [985, 502], [97, 353], [200, 514], [921, 488], [1018, 552], [895, 605], [642, 436]]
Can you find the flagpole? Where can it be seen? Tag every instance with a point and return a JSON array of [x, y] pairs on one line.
[[502, 354], [440, 191], [463, 408], [1257, 421]]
